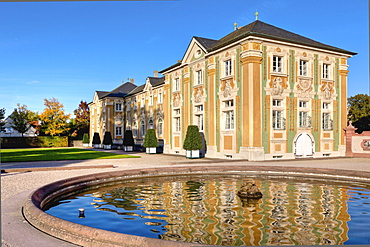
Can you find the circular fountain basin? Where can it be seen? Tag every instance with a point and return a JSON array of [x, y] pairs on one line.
[[89, 236]]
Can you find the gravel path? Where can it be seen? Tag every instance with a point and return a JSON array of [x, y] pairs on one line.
[[15, 187]]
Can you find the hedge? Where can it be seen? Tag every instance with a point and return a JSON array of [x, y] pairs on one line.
[[39, 141]]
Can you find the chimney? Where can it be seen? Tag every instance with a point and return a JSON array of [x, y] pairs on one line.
[[132, 81], [155, 73]]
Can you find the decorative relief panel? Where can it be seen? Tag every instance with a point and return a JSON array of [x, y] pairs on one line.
[[278, 84], [176, 100], [304, 86], [198, 94], [327, 89]]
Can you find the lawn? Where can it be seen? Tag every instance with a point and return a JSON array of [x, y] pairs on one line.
[[51, 154]]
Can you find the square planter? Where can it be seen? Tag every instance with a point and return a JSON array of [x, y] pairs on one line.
[[96, 145], [107, 146], [128, 148], [192, 154], [85, 145], [151, 150]]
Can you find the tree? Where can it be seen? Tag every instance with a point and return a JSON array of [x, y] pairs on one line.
[[359, 111], [54, 118], [2, 116], [193, 139], [82, 114], [20, 119]]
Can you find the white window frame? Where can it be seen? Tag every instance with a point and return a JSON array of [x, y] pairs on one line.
[[200, 121], [327, 122], [177, 124], [326, 71], [277, 64], [118, 106], [278, 120], [118, 131], [160, 127], [276, 102], [177, 84], [325, 106], [228, 67], [151, 100], [199, 79], [303, 68], [303, 104], [229, 119], [304, 121], [229, 103], [160, 99], [142, 129]]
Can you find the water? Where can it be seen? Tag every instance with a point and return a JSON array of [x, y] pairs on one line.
[[206, 209]]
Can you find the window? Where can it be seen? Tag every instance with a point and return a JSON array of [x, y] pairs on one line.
[[325, 71], [229, 103], [199, 77], [326, 106], [200, 121], [303, 68], [177, 124], [177, 84], [160, 127], [276, 64], [151, 124], [160, 99], [199, 108], [151, 102], [327, 122], [176, 112], [229, 119], [118, 107], [276, 102], [142, 102], [278, 122], [302, 104], [142, 129], [118, 131], [304, 119], [228, 68]]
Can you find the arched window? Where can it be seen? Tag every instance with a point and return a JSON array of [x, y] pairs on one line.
[[160, 127], [142, 129], [151, 124]]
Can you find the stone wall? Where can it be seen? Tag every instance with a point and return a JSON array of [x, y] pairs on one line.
[[357, 145]]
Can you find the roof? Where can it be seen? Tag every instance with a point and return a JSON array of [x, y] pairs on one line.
[[101, 94], [154, 81], [120, 91], [263, 30]]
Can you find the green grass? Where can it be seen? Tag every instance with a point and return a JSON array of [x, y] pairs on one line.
[[52, 154]]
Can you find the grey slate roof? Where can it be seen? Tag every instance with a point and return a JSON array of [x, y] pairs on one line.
[[121, 91], [101, 94], [155, 81], [263, 30]]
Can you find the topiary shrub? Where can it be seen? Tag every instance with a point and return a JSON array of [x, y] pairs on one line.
[[193, 139], [107, 140], [85, 138], [128, 141], [150, 142], [96, 140]]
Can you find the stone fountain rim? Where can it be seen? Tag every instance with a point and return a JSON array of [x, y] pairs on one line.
[[89, 236]]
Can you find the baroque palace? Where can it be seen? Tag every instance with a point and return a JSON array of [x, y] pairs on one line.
[[258, 93]]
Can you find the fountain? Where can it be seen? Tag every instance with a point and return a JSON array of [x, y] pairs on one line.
[[269, 210]]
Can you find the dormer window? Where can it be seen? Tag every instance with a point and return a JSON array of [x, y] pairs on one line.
[[118, 107], [277, 64]]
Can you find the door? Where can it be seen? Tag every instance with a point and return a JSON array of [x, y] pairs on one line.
[[303, 145]]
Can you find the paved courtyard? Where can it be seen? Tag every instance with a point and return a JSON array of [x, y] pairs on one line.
[[16, 186]]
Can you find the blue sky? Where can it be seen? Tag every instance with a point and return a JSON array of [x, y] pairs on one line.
[[68, 50]]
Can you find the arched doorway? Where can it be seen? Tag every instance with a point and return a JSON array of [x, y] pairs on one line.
[[304, 145]]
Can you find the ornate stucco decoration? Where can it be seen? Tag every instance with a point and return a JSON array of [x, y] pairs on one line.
[[277, 86], [118, 119], [327, 89], [160, 112], [198, 94], [304, 87], [228, 88], [176, 100]]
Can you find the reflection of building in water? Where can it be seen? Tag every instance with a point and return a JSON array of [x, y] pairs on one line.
[[286, 215]]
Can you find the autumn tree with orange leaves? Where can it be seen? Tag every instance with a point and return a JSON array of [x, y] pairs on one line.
[[54, 119]]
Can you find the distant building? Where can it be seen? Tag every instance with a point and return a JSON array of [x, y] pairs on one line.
[[258, 93], [11, 132]]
